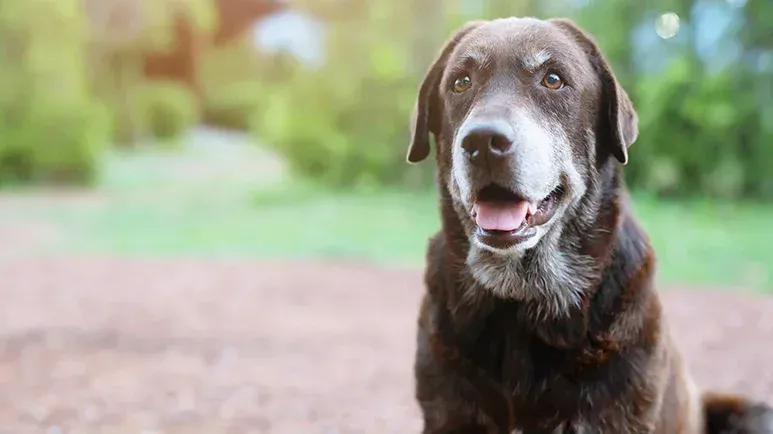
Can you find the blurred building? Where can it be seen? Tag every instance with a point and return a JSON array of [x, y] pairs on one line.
[[291, 32], [235, 19]]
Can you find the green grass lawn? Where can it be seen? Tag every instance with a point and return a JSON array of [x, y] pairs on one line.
[[697, 242], [701, 243]]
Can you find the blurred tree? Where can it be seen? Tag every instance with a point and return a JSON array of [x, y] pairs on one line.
[[236, 16], [132, 40], [347, 122], [160, 40], [169, 109], [51, 129], [197, 25], [707, 131], [234, 80], [756, 36]]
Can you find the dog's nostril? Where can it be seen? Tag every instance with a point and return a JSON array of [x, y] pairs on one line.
[[471, 146], [481, 142], [500, 144]]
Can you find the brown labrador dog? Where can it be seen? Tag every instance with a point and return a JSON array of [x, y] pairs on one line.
[[541, 314]]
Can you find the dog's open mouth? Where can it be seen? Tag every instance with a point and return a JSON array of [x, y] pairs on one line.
[[504, 218]]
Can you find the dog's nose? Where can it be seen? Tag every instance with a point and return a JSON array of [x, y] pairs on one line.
[[484, 141]]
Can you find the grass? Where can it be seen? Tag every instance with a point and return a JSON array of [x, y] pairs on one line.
[[697, 242], [710, 243], [140, 212]]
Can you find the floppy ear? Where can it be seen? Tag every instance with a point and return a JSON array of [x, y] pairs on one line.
[[619, 116], [427, 116]]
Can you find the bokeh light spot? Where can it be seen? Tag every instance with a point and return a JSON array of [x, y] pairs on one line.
[[667, 25]]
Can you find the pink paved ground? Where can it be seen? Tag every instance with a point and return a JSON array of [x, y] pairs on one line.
[[194, 346]]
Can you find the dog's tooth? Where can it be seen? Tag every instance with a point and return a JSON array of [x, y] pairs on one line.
[[533, 207]]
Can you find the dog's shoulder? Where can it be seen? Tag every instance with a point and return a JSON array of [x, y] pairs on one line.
[[435, 259], [625, 310], [630, 271], [633, 258]]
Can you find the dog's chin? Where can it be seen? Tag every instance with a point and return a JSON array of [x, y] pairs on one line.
[[505, 223]]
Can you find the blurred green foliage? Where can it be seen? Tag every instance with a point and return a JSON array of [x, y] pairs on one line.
[[168, 108], [343, 129], [121, 33], [68, 80], [71, 83], [51, 129], [346, 123], [233, 80], [704, 130]]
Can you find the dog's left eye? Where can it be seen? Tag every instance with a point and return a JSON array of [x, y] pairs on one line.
[[552, 81], [462, 84]]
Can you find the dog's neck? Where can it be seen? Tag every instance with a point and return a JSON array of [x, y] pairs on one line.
[[553, 282]]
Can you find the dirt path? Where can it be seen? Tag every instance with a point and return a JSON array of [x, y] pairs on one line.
[[187, 346]]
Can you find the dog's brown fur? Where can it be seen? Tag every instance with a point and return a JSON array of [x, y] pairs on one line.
[[487, 363]]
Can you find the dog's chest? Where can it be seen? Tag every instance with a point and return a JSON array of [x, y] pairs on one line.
[[546, 386]]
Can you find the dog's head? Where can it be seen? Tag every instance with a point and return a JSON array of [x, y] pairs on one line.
[[524, 112]]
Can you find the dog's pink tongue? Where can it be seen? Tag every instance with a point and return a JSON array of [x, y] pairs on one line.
[[501, 216]]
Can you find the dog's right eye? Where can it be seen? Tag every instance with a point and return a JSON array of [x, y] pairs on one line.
[[462, 84], [552, 81]]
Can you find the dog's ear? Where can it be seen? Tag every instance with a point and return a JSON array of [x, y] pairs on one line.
[[619, 116], [427, 116]]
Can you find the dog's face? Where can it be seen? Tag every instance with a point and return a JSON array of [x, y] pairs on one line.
[[523, 111]]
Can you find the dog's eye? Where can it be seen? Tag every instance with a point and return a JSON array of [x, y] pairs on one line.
[[462, 84], [552, 81]]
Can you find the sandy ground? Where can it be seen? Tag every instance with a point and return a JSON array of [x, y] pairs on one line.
[[195, 346]]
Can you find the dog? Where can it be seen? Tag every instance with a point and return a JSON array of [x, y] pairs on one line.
[[540, 313]]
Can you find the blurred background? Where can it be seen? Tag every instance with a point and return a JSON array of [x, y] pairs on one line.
[[207, 223]]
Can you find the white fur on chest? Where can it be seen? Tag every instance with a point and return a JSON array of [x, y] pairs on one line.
[[554, 281]]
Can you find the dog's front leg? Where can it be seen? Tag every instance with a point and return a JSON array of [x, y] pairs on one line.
[[452, 403], [457, 427], [455, 396], [618, 423], [447, 411]]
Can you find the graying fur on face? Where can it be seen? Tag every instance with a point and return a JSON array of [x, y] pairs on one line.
[[553, 276], [553, 272]]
